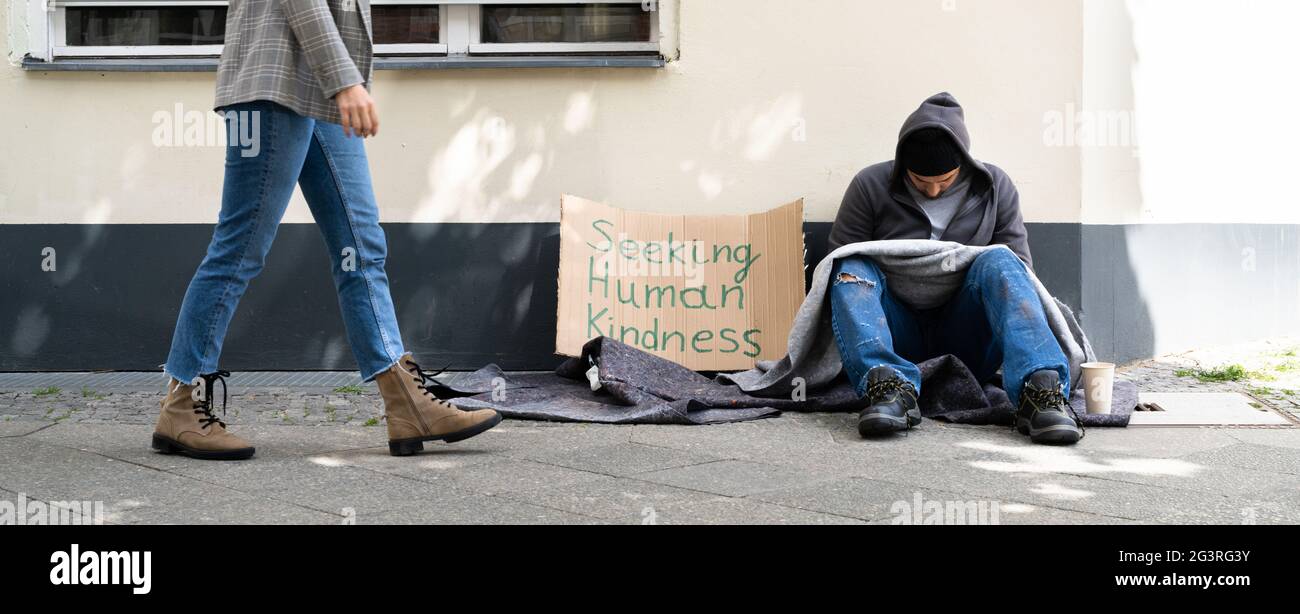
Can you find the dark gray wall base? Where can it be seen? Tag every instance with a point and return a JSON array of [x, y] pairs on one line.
[[1159, 288], [471, 294], [466, 294]]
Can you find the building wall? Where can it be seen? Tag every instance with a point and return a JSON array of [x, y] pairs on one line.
[[770, 100], [764, 101], [1190, 234]]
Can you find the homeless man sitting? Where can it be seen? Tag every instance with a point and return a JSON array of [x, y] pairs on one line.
[[935, 190]]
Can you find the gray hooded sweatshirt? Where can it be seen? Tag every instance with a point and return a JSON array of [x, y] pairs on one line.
[[878, 206]]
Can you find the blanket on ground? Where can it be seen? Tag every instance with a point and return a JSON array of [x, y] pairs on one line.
[[629, 386]]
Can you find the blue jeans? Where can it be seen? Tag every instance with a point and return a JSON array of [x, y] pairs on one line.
[[270, 150], [994, 320]]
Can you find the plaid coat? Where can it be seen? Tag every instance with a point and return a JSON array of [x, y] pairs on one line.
[[298, 53]]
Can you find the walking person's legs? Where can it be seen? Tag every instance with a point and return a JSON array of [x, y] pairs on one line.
[[255, 194], [335, 179], [259, 181]]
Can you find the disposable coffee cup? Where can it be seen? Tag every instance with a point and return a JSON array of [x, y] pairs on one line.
[[1098, 385]]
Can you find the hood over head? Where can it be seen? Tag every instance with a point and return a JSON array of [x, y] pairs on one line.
[[943, 112]]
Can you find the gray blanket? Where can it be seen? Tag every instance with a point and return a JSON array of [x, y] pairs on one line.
[[922, 274], [613, 383], [633, 387]]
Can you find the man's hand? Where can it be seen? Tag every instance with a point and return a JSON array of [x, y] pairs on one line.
[[358, 110]]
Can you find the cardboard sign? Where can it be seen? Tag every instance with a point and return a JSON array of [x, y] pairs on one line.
[[713, 293]]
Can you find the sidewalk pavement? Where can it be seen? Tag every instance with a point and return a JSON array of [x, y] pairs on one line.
[[322, 458]]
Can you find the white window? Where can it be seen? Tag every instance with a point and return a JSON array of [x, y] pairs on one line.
[[139, 28], [402, 28]]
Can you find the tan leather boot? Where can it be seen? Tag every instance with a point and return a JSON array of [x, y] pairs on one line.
[[186, 425], [415, 416]]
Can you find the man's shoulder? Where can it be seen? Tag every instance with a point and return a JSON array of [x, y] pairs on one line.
[[998, 175], [875, 176]]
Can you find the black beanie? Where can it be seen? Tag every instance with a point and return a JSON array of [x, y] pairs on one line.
[[930, 152]]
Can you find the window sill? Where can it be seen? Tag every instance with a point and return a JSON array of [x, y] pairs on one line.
[[383, 63], [122, 64]]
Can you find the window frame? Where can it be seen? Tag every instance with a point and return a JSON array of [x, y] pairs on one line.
[[58, 38], [475, 46], [418, 49], [460, 33]]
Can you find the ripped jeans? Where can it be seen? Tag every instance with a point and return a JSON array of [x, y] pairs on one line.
[[994, 320]]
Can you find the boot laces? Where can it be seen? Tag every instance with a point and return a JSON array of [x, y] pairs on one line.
[[204, 407], [425, 380], [1052, 399], [886, 390]]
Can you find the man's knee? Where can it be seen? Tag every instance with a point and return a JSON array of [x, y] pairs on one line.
[[856, 270], [997, 260]]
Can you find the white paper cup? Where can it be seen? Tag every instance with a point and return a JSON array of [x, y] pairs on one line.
[[1098, 385]]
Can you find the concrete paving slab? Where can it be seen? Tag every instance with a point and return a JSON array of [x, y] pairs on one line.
[[855, 497], [807, 468], [431, 461], [1158, 442], [1014, 514], [830, 445], [620, 459], [1103, 493], [134, 494], [617, 500], [1225, 481], [733, 478], [1128, 465], [524, 435], [316, 483], [20, 428], [1252, 456], [898, 504], [289, 441], [1274, 437], [779, 437], [487, 476], [733, 511], [132, 441], [476, 510], [1202, 409]]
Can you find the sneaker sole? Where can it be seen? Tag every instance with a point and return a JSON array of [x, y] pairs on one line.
[[415, 445], [167, 445], [878, 424]]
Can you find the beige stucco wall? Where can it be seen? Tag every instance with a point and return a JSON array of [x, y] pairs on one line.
[[1208, 86], [771, 100]]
